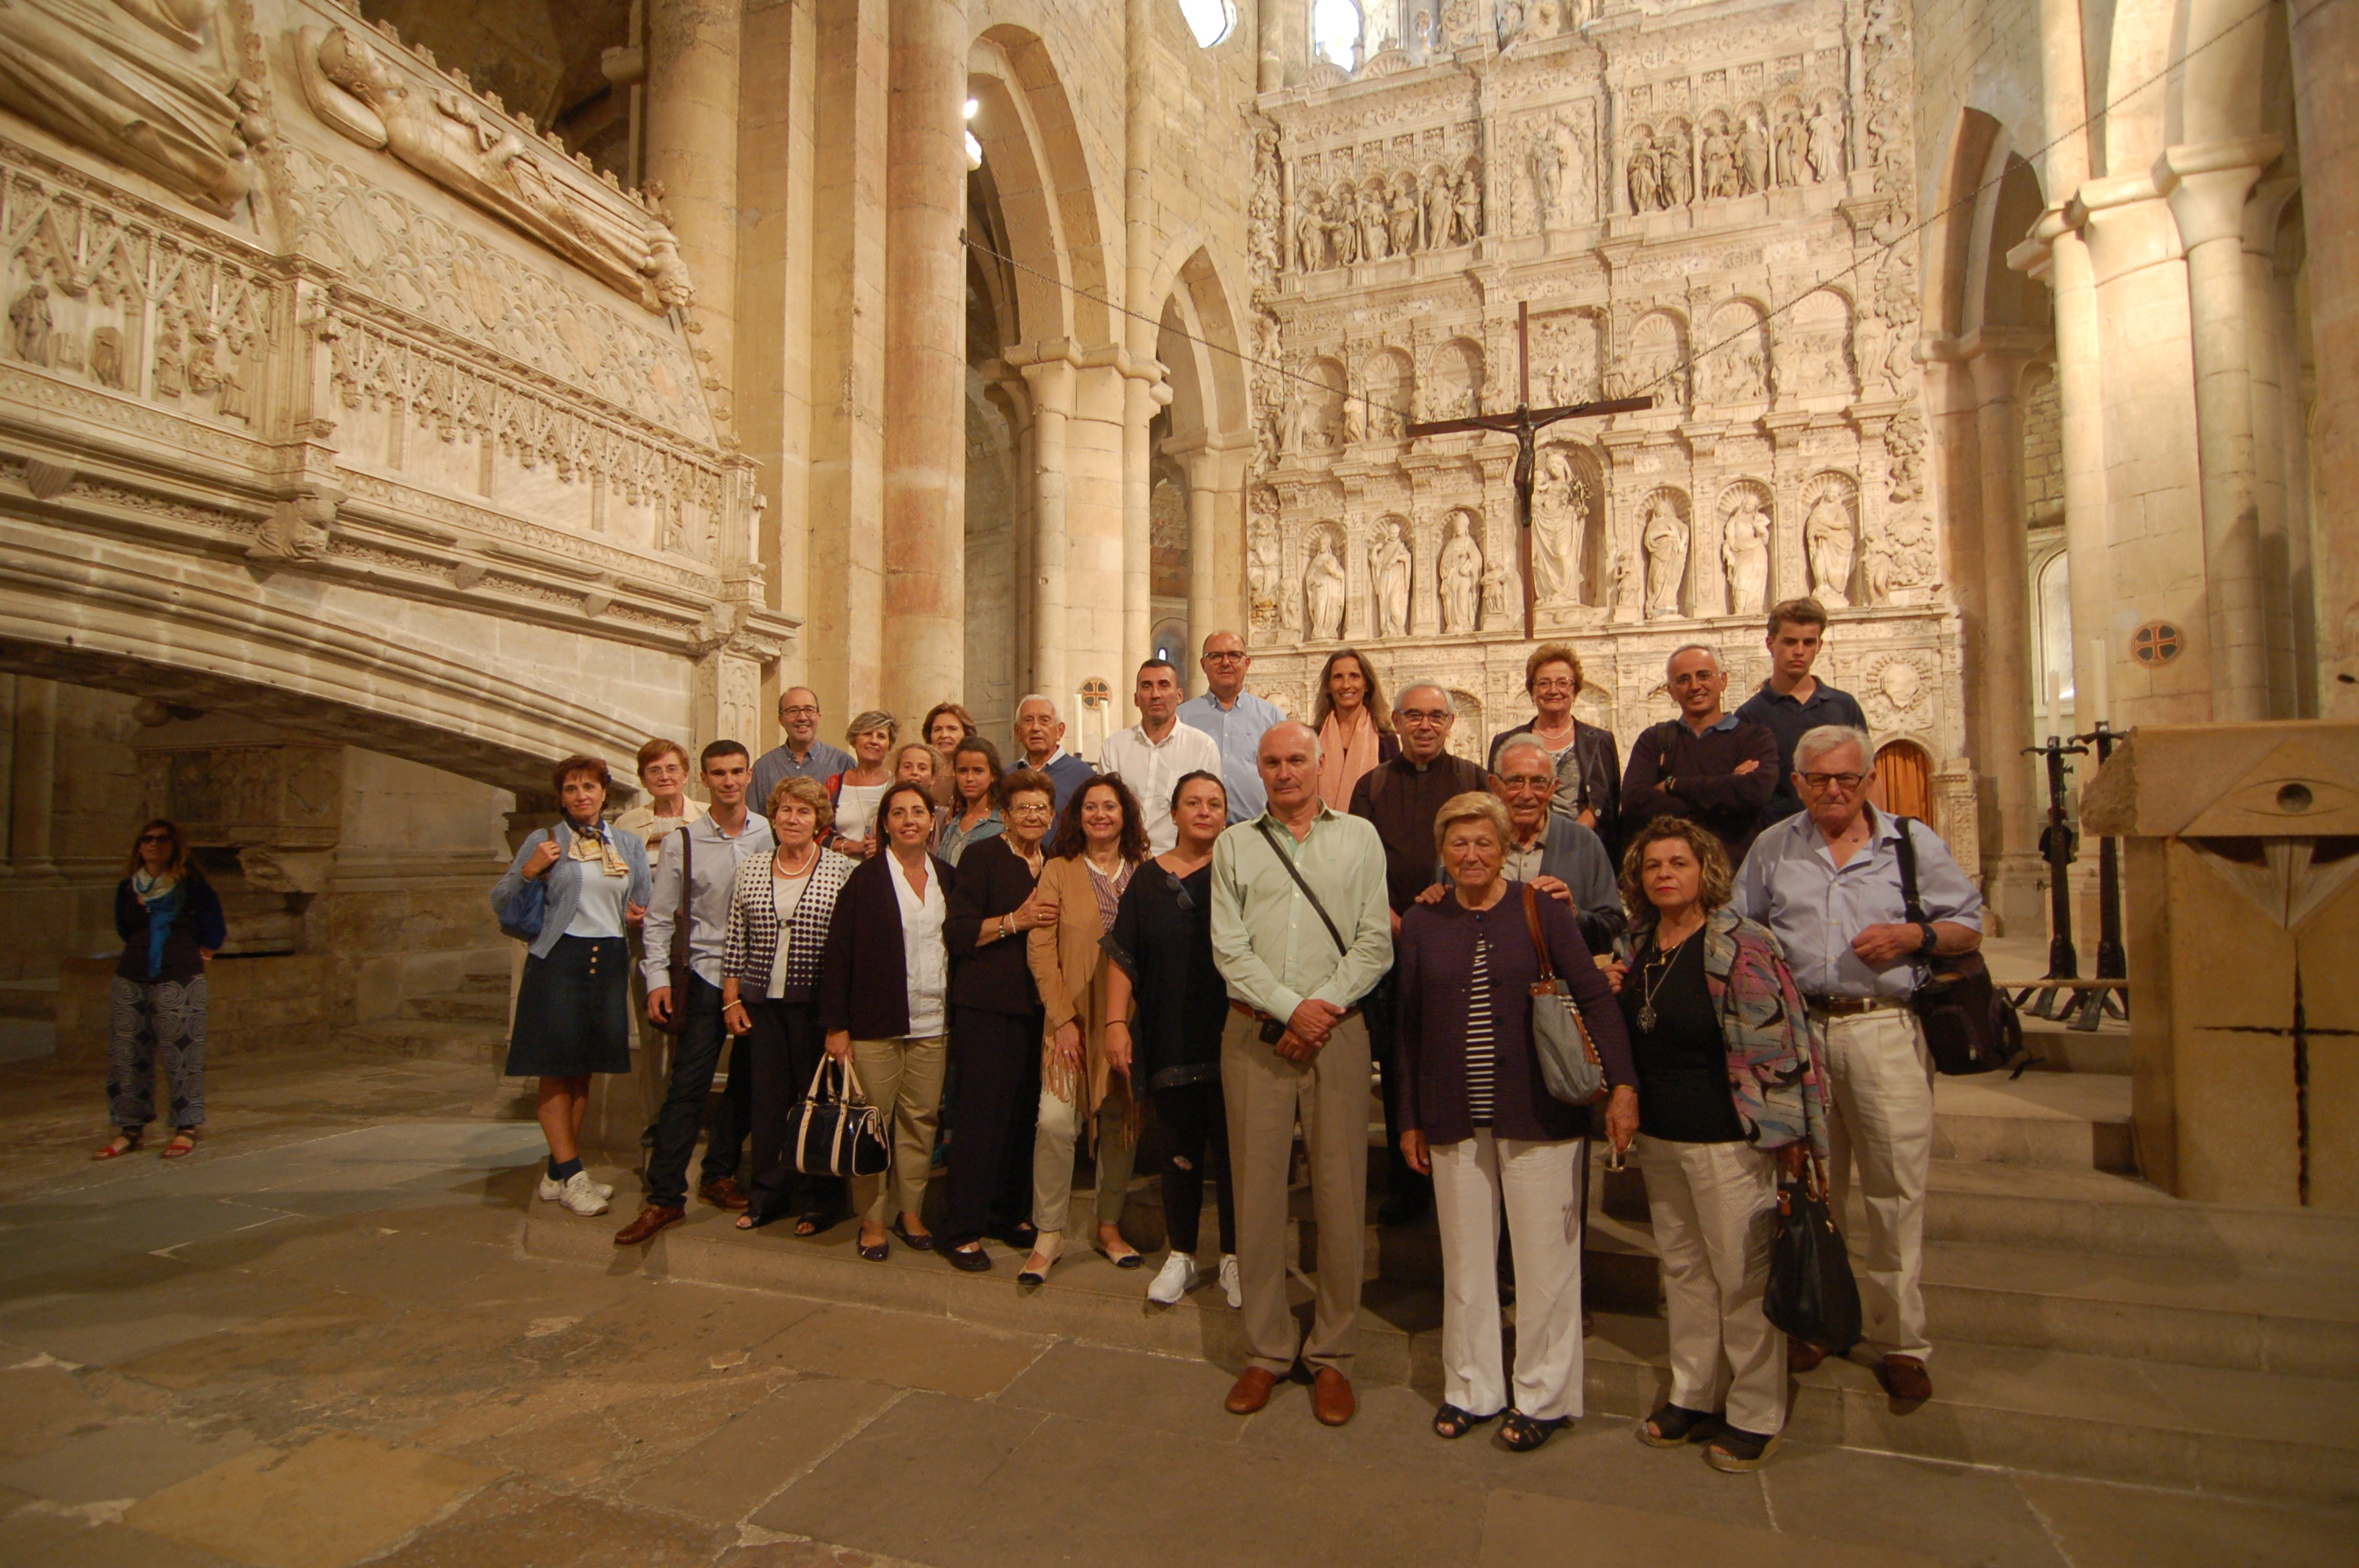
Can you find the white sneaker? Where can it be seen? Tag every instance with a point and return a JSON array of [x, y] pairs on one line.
[[1177, 1278], [580, 1194], [552, 1190], [1230, 1283]]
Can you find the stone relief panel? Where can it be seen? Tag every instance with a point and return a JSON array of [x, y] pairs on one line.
[[1746, 508], [1830, 536]]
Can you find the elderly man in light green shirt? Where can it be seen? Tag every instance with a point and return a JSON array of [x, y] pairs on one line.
[[1301, 932]]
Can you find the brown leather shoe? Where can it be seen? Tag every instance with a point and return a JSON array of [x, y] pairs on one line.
[[724, 1194], [1330, 1397], [652, 1218], [1251, 1391], [1801, 1358], [1905, 1380]]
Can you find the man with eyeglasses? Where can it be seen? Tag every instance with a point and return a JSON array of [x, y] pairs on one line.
[[1235, 720], [1827, 882], [1712, 768], [1792, 702], [1400, 800], [1040, 738], [802, 755], [1551, 850]]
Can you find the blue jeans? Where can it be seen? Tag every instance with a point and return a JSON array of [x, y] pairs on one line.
[[695, 1056]]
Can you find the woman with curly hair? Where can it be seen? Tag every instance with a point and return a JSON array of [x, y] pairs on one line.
[[1729, 1086], [1101, 840]]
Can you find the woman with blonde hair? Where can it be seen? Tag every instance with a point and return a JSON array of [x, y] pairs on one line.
[[1730, 1086], [855, 792], [1354, 722], [1101, 840], [170, 922]]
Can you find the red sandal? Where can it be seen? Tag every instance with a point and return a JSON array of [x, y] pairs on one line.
[[184, 1142], [122, 1143]]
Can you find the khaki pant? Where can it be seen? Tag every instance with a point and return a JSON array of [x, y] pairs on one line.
[[1535, 1183], [1880, 1078], [1714, 1210], [1052, 1161], [1266, 1093], [903, 1078]]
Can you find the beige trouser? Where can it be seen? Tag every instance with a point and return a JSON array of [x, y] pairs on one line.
[[1052, 1161], [1264, 1093], [902, 1077], [1473, 1179], [1880, 1078], [1714, 1210]]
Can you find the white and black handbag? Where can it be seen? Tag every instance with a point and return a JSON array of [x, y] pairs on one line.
[[835, 1131]]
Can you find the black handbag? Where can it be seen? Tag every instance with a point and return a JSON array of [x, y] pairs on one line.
[[835, 1131], [1811, 1295], [1969, 1025]]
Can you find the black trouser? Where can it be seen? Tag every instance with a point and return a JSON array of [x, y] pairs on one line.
[[1402, 1184], [1195, 1125], [785, 1045], [695, 1057], [990, 1187]]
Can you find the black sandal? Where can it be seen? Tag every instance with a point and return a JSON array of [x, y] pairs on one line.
[[1675, 1426], [1737, 1451], [1523, 1434], [1452, 1423], [810, 1224]]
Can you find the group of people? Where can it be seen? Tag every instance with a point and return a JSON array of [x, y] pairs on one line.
[[1234, 921]]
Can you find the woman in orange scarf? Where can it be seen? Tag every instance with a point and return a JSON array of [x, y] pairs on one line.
[[1355, 725]]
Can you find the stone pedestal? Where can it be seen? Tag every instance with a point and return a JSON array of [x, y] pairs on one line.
[[2242, 889]]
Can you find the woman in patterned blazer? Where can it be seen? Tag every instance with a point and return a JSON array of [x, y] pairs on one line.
[[778, 918]]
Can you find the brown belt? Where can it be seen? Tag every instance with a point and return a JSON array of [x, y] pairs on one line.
[[1854, 1006], [1257, 1014]]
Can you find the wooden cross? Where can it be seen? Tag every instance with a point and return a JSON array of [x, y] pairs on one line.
[[1524, 425]]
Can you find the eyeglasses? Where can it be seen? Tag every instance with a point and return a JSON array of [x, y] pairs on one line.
[[1180, 891], [1416, 716], [1846, 782], [155, 838], [1528, 781], [1035, 809], [1223, 658], [798, 713]]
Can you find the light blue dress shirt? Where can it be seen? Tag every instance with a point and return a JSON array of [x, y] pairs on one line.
[[1237, 730], [1790, 883]]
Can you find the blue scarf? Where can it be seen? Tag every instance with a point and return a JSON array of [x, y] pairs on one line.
[[163, 908]]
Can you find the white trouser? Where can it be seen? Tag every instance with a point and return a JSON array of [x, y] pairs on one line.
[[1715, 1208], [1536, 1181], [1881, 1080]]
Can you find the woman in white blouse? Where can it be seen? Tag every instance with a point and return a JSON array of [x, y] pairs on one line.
[[855, 792], [778, 917], [884, 984]]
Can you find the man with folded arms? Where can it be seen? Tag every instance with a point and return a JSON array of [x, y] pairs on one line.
[[1711, 767], [1827, 882], [1301, 932]]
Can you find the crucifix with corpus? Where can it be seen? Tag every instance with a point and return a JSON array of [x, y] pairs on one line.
[[1524, 425]]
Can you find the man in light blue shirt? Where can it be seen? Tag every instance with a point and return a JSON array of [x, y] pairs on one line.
[[1235, 720], [1827, 882], [802, 755]]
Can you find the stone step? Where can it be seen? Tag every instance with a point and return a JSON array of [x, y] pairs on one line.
[[483, 982], [2068, 1120], [2053, 1048], [2117, 1418], [34, 1000], [439, 1039], [459, 1007], [2106, 1213]]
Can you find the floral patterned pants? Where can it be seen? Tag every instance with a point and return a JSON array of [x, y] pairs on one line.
[[143, 1018]]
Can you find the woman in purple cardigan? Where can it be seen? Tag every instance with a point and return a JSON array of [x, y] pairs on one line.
[[1475, 1112]]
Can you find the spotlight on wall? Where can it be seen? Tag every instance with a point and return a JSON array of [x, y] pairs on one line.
[[971, 107]]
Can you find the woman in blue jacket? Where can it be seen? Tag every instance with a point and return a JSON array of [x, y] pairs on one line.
[[573, 1005], [170, 922]]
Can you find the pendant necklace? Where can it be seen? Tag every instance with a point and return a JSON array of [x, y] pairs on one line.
[[1647, 1014]]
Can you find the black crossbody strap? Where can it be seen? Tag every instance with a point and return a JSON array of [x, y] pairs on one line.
[[1288, 861], [1906, 850]]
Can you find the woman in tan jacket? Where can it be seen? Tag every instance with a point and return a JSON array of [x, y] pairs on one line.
[[1100, 841]]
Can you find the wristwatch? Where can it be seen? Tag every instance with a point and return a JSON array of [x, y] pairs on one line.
[[1931, 938]]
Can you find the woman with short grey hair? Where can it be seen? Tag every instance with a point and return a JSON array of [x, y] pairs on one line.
[[855, 792]]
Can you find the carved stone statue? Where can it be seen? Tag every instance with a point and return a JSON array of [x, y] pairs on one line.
[[1719, 164], [1440, 202], [1404, 215], [1876, 563], [445, 136], [1666, 541], [1671, 168], [1547, 161], [1461, 571], [1296, 424], [1376, 237], [1559, 507], [1262, 572], [171, 362], [1310, 236], [1745, 555], [106, 356], [1793, 138], [1344, 228], [1830, 540], [1389, 562], [1467, 220], [1752, 156], [141, 83], [30, 325], [1826, 145], [1498, 593], [1323, 591], [1645, 190]]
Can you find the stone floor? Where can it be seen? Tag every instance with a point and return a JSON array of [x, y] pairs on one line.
[[318, 1342]]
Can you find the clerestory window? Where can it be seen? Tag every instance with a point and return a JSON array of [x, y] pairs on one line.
[[1210, 20], [1335, 28]]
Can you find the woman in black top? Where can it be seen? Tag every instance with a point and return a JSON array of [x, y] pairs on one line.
[[995, 1026], [170, 922], [1166, 1006]]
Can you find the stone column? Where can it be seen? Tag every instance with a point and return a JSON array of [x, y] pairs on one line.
[[1205, 467], [2325, 53], [1996, 358], [691, 152], [33, 782], [2266, 301], [1137, 522], [1095, 645], [2206, 186], [925, 356], [1272, 34], [1052, 381]]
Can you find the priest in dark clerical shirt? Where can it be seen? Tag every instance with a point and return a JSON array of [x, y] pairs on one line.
[[1712, 768], [1402, 798]]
